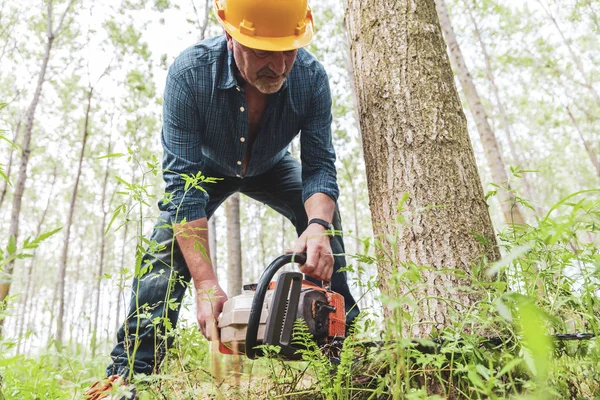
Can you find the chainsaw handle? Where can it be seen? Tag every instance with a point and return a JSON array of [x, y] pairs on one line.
[[259, 297]]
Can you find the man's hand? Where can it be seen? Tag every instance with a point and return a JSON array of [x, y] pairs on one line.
[[319, 257], [209, 304]]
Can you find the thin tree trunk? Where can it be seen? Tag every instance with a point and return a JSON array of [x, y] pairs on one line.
[[212, 243], [503, 114], [357, 240], [100, 271], [29, 275], [263, 248], [588, 84], [234, 246], [26, 148], [10, 164], [416, 143], [594, 158], [202, 25], [510, 209], [121, 280], [75, 321], [62, 265], [283, 238]]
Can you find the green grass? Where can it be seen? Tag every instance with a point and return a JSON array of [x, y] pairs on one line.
[[547, 283]]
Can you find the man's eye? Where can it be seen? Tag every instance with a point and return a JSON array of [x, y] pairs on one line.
[[261, 53]]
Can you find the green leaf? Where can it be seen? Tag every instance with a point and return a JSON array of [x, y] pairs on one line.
[[118, 211], [512, 256], [510, 366], [112, 155], [5, 177], [46, 235], [12, 245]]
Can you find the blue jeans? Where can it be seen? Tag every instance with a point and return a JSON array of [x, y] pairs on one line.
[[159, 292]]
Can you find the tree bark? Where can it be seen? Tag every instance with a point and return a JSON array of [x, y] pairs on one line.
[[100, 271], [283, 239], [10, 164], [234, 247], [594, 158], [62, 265], [416, 142], [212, 243], [121, 281], [510, 209]]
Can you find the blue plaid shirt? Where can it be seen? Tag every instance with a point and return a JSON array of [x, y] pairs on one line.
[[205, 123]]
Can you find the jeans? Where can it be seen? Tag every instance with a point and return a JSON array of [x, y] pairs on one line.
[[159, 292]]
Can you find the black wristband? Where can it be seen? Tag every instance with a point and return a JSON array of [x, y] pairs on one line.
[[325, 224]]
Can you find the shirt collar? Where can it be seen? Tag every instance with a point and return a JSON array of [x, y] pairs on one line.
[[228, 79]]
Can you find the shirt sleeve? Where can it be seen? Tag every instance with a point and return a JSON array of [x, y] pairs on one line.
[[317, 153], [181, 140]]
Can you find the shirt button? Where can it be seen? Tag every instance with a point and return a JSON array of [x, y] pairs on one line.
[[238, 175], [238, 89], [242, 109], [242, 139], [239, 163]]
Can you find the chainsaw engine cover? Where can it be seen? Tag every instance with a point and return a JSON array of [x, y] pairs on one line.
[[233, 321]]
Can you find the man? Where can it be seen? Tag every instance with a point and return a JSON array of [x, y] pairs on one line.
[[232, 105]]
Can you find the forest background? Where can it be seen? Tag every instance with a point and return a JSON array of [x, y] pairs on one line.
[[89, 141]]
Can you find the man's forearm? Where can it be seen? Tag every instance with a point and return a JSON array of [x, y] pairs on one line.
[[320, 205], [192, 238]]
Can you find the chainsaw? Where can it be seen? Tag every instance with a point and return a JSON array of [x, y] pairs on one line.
[[264, 314]]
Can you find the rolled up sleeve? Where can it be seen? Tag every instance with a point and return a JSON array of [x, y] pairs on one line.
[[317, 152], [181, 140]]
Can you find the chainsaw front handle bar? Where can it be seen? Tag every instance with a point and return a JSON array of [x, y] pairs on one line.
[[259, 297]]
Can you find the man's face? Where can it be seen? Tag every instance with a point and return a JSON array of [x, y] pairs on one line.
[[265, 70]]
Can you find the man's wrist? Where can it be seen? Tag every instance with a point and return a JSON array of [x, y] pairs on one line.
[[325, 224], [206, 284]]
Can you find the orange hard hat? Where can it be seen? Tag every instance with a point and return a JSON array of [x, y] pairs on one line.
[[273, 25]]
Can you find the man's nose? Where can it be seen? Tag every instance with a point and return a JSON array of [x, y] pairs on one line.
[[277, 62]]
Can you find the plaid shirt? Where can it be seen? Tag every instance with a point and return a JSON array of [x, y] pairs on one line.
[[205, 123]]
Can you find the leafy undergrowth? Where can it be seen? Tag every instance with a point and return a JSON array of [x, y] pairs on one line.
[[504, 347]]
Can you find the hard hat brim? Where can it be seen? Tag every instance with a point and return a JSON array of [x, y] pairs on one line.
[[270, 43]]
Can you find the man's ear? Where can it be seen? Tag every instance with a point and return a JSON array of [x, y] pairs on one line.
[[229, 41]]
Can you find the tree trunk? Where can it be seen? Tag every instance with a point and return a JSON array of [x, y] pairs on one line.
[[10, 164], [75, 321], [29, 275], [594, 158], [283, 239], [212, 243], [234, 247], [62, 265], [516, 156], [416, 142], [202, 24], [100, 271], [121, 281], [510, 209]]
